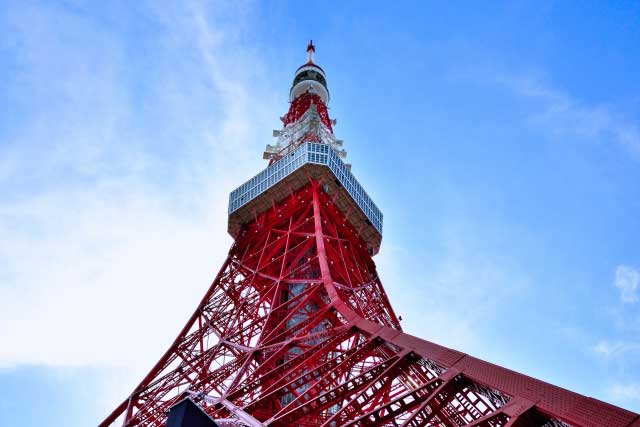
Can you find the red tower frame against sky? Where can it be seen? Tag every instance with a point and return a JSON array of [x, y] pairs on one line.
[[296, 328]]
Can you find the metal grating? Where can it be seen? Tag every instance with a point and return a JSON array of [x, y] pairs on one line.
[[309, 152]]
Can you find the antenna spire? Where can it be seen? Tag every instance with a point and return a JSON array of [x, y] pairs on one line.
[[311, 52]]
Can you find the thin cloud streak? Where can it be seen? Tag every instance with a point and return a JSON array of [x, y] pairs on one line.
[[565, 114], [430, 294], [622, 348], [108, 247], [627, 391], [616, 349], [627, 280], [558, 111]]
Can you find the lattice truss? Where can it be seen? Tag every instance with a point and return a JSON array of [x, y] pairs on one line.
[[296, 330], [307, 120]]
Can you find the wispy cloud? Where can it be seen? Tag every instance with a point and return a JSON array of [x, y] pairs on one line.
[[563, 113], [451, 296], [621, 349], [625, 320], [627, 391], [616, 349], [559, 111], [115, 181], [627, 280]]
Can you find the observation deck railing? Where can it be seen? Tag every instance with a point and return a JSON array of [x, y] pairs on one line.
[[307, 153]]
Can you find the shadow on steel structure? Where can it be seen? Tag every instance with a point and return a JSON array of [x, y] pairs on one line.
[[296, 329]]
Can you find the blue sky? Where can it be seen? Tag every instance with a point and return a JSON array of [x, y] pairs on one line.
[[502, 143]]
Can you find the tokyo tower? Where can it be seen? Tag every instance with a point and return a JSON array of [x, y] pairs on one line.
[[296, 328]]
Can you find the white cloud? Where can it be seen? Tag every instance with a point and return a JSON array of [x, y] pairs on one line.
[[627, 280], [114, 184], [423, 287], [607, 349], [113, 215], [629, 391], [616, 349], [622, 350], [559, 111], [564, 114]]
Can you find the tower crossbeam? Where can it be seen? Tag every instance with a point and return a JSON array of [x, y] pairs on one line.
[[297, 330]]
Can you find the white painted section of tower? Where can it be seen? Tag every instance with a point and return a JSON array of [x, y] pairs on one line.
[[311, 86], [293, 134]]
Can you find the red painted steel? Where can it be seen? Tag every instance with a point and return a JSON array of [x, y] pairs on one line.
[[302, 103], [296, 329]]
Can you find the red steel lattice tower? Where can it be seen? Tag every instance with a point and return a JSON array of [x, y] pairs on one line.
[[296, 329]]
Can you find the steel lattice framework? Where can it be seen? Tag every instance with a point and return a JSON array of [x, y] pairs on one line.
[[296, 329]]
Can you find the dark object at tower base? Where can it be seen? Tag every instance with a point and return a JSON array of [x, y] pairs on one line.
[[187, 414]]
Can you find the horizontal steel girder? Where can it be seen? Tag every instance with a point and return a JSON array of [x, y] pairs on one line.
[[296, 330]]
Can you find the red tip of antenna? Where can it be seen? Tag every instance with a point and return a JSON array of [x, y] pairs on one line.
[[311, 47]]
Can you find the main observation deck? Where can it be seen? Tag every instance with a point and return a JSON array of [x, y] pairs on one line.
[[309, 160]]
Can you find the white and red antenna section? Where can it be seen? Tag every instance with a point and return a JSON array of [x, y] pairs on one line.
[[308, 117], [311, 52]]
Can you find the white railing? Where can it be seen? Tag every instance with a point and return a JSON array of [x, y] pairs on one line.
[[309, 152]]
